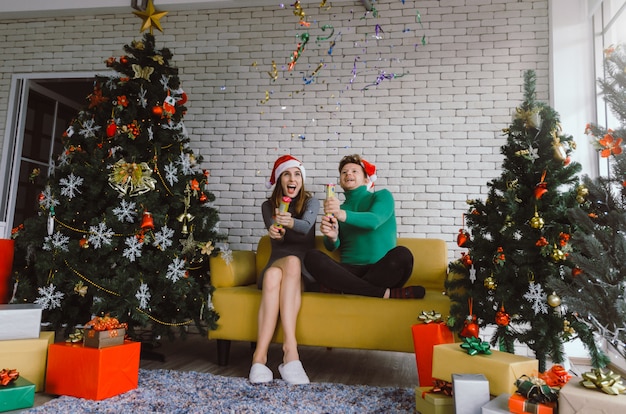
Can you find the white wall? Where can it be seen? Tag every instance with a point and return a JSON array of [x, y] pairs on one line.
[[434, 132]]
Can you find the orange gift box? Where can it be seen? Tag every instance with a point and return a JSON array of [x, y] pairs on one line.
[[425, 337], [518, 404], [92, 373]]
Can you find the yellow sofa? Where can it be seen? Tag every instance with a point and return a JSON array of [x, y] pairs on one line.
[[325, 319]]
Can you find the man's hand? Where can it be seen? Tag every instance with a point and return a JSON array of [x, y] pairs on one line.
[[333, 206], [329, 227]]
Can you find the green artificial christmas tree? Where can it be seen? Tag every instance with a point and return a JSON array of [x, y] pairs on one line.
[[518, 239], [597, 287], [125, 224]]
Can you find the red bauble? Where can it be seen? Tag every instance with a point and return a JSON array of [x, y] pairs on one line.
[[502, 318], [470, 327], [111, 129], [203, 198], [462, 238], [182, 100], [466, 259], [540, 190], [157, 110], [123, 60], [576, 271]]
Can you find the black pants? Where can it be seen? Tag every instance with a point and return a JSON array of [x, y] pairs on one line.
[[392, 271]]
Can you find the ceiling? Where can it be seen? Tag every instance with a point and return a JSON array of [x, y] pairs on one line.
[[47, 8]]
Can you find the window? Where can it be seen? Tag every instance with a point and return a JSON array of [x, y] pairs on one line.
[[39, 111]]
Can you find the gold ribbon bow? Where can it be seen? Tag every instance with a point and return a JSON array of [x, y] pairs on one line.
[[75, 337], [608, 382], [142, 73], [429, 317]]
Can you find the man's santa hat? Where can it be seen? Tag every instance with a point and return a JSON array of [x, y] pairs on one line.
[[370, 171], [282, 164]]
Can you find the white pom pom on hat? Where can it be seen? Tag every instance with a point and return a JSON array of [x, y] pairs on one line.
[[283, 163]]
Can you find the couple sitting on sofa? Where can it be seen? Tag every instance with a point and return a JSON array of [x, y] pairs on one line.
[[363, 228]]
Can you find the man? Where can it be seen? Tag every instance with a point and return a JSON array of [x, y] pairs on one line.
[[363, 228]]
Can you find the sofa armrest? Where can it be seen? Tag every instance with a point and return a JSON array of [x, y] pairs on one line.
[[241, 271]]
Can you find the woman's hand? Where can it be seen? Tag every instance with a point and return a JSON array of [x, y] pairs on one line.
[[276, 232], [284, 219]]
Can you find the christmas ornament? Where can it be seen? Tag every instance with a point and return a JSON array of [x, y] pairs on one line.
[[466, 259], [470, 326], [536, 222], [560, 153], [490, 283], [84, 242], [530, 117], [124, 60], [576, 271], [557, 254], [203, 198], [111, 129], [142, 72], [151, 18], [157, 110], [542, 187], [502, 318], [554, 300], [581, 193], [169, 105], [462, 238], [80, 288], [147, 221], [131, 178]]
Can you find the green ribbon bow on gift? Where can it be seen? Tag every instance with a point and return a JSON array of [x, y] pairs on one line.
[[429, 317], [475, 346], [608, 382], [536, 390]]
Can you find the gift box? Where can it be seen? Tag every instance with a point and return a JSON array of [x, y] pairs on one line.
[[92, 373], [17, 394], [577, 399], [427, 402], [499, 405], [500, 368], [28, 357], [20, 321], [518, 404], [103, 339], [471, 392], [425, 336]]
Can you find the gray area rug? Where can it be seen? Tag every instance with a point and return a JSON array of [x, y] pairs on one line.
[[165, 391]]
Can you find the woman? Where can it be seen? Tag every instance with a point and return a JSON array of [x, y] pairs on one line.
[[292, 233]]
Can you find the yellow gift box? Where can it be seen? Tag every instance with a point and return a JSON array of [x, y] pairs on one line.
[[28, 357], [500, 368], [432, 403]]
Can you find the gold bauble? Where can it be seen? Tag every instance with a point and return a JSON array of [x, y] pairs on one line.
[[536, 222], [554, 300], [490, 283], [557, 254]]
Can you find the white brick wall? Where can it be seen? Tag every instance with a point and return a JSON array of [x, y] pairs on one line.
[[434, 132]]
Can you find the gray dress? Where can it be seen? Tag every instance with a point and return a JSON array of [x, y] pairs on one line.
[[297, 241]]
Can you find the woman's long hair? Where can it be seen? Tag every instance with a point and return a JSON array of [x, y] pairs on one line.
[[298, 203]]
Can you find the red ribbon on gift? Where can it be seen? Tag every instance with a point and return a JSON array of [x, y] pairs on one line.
[[440, 387], [8, 375], [556, 376]]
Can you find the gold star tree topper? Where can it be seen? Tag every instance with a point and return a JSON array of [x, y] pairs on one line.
[[150, 17]]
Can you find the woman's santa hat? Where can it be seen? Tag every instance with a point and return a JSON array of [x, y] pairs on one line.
[[370, 171], [283, 163]]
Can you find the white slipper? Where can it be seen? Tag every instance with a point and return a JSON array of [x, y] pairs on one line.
[[293, 373], [259, 373]]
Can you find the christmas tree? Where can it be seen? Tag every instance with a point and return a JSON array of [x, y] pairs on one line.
[[125, 224], [598, 283], [519, 238]]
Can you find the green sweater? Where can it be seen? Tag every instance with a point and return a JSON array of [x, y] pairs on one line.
[[369, 231]]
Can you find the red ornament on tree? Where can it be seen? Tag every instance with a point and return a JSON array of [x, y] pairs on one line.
[[463, 236], [147, 222], [157, 110], [111, 129], [502, 318], [466, 259], [470, 326]]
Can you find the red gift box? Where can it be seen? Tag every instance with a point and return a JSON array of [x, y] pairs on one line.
[[425, 337], [518, 404], [92, 373]]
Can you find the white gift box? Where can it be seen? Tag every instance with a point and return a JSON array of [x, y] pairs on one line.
[[471, 392], [20, 321], [499, 405]]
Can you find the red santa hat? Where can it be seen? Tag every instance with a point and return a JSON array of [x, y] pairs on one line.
[[282, 164], [370, 171]]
